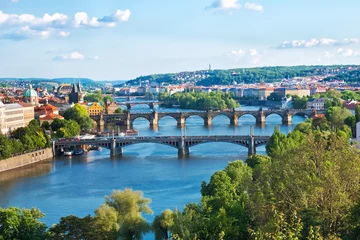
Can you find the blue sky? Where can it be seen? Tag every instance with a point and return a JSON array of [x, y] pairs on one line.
[[123, 39]]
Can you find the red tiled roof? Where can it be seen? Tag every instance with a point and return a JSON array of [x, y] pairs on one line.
[[51, 116]]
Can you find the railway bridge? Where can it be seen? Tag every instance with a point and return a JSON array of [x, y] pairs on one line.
[[127, 119], [181, 143]]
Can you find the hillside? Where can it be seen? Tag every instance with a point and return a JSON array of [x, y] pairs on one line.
[[240, 75], [350, 76]]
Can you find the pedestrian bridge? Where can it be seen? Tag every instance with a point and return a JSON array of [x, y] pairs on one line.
[[181, 143]]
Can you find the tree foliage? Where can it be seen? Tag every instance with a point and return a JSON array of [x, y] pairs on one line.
[[200, 100], [128, 206], [22, 224], [79, 114]]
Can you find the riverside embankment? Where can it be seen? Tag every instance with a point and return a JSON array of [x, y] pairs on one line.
[[25, 159]]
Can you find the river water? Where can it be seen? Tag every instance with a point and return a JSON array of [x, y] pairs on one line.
[[77, 185]]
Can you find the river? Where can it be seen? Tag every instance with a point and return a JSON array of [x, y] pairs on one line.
[[77, 185]]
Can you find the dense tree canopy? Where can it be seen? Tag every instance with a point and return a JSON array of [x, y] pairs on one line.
[[22, 224], [308, 187], [79, 114], [200, 100]]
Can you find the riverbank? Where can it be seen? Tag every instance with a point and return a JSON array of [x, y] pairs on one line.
[[25, 159]]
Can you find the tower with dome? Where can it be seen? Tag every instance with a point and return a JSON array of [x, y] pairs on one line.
[[31, 96]]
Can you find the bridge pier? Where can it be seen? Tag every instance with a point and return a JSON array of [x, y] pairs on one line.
[[114, 150], [183, 150], [251, 147], [261, 118], [287, 119], [234, 121], [181, 121], [208, 120], [154, 121]]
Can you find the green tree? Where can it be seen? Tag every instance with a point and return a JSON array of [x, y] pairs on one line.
[[107, 98], [72, 128], [107, 221], [256, 159], [79, 114], [351, 123], [57, 124], [22, 224], [95, 97], [5, 147], [299, 102], [119, 110], [75, 228], [274, 97], [129, 206], [304, 127], [357, 113], [162, 225], [337, 116], [46, 125]]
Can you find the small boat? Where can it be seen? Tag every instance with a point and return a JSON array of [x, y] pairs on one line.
[[68, 152], [78, 152]]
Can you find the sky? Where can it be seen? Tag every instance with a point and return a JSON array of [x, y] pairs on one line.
[[124, 39]]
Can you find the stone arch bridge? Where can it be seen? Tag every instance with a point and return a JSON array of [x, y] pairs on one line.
[[129, 104], [127, 119], [181, 143]]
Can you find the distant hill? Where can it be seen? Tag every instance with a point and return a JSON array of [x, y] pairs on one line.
[[350, 76], [35, 81], [241, 75]]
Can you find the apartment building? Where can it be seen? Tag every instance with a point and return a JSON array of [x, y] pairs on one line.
[[15, 115]]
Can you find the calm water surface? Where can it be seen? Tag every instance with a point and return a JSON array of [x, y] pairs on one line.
[[77, 185]]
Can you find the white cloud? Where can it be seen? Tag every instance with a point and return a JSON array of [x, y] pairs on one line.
[[317, 43], [25, 33], [12, 23], [251, 56], [74, 56], [254, 7], [225, 5], [63, 34], [347, 53], [14, 1]]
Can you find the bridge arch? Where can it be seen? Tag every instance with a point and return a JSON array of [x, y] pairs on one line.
[[247, 117], [243, 143], [146, 117], [195, 117], [166, 117], [217, 117], [275, 116], [173, 144], [168, 120]]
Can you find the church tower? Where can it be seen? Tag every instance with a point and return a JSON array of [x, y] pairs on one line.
[[76, 95]]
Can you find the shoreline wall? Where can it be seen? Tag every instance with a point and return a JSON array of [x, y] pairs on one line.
[[25, 159]]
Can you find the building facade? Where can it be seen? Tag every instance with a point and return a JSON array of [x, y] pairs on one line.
[[110, 108], [94, 108], [14, 115]]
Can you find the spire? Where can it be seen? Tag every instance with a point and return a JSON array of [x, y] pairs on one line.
[[79, 87], [74, 88]]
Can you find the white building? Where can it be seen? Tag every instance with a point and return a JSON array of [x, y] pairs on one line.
[[317, 103], [13, 116]]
